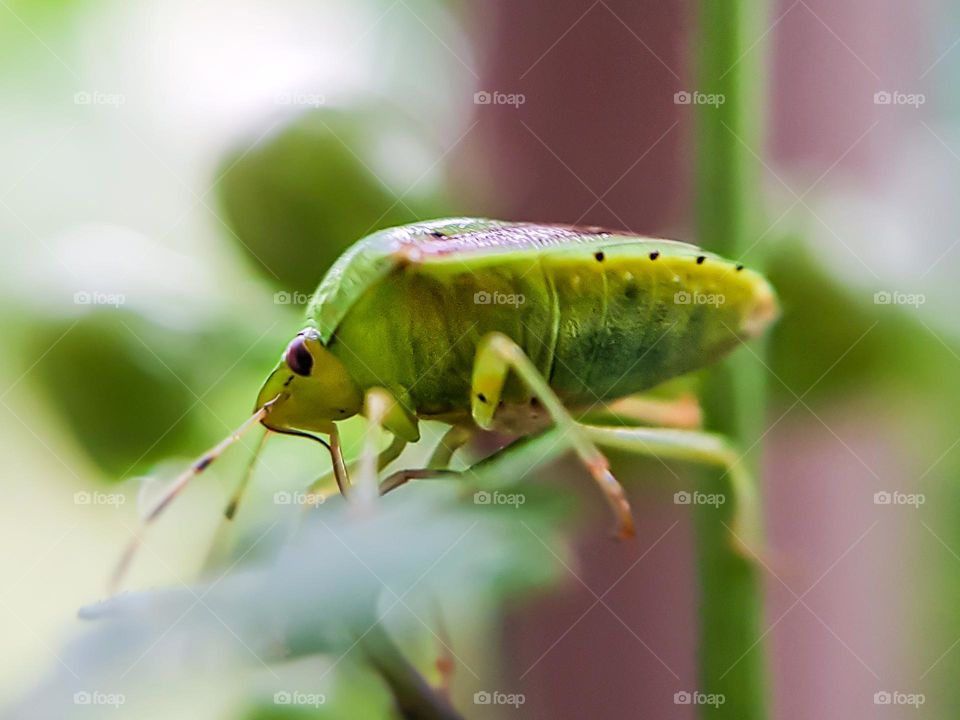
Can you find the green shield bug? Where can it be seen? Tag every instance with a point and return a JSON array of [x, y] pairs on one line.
[[515, 327]]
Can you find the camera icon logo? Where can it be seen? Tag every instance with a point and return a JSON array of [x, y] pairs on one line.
[[482, 497], [682, 297], [482, 97], [482, 697], [883, 697], [682, 97], [882, 498], [682, 697], [482, 297], [282, 697], [682, 498], [882, 97]]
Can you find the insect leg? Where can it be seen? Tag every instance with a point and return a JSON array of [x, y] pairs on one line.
[[339, 465], [680, 412], [496, 355], [401, 477], [386, 456], [454, 439], [376, 405], [698, 447]]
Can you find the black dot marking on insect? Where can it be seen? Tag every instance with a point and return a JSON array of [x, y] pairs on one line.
[[288, 381], [534, 402], [437, 234], [342, 411], [201, 464], [598, 256], [700, 259], [481, 397], [631, 291], [655, 254], [739, 268], [298, 358]]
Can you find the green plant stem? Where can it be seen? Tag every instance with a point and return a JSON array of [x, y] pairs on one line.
[[412, 694], [728, 136]]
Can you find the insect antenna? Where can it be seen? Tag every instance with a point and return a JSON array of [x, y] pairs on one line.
[[177, 486], [231, 508]]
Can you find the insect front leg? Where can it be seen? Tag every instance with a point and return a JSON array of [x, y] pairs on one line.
[[383, 412], [699, 447], [339, 464], [496, 356], [386, 456]]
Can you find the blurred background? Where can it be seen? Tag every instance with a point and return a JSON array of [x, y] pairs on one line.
[[177, 177]]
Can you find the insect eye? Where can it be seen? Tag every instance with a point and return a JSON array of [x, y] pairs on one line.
[[298, 358]]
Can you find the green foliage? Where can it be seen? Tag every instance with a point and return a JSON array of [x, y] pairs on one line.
[[876, 342], [96, 376], [297, 198], [323, 581]]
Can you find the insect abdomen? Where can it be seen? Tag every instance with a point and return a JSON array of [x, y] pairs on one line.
[[598, 324]]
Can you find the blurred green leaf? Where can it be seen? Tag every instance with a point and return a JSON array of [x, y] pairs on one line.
[[834, 340], [97, 374], [134, 393], [330, 576], [297, 198]]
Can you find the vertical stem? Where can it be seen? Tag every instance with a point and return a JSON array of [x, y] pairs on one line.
[[728, 135]]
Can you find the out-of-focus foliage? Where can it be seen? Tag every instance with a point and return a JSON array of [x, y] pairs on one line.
[[303, 591], [297, 198], [836, 345], [91, 375], [834, 317]]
